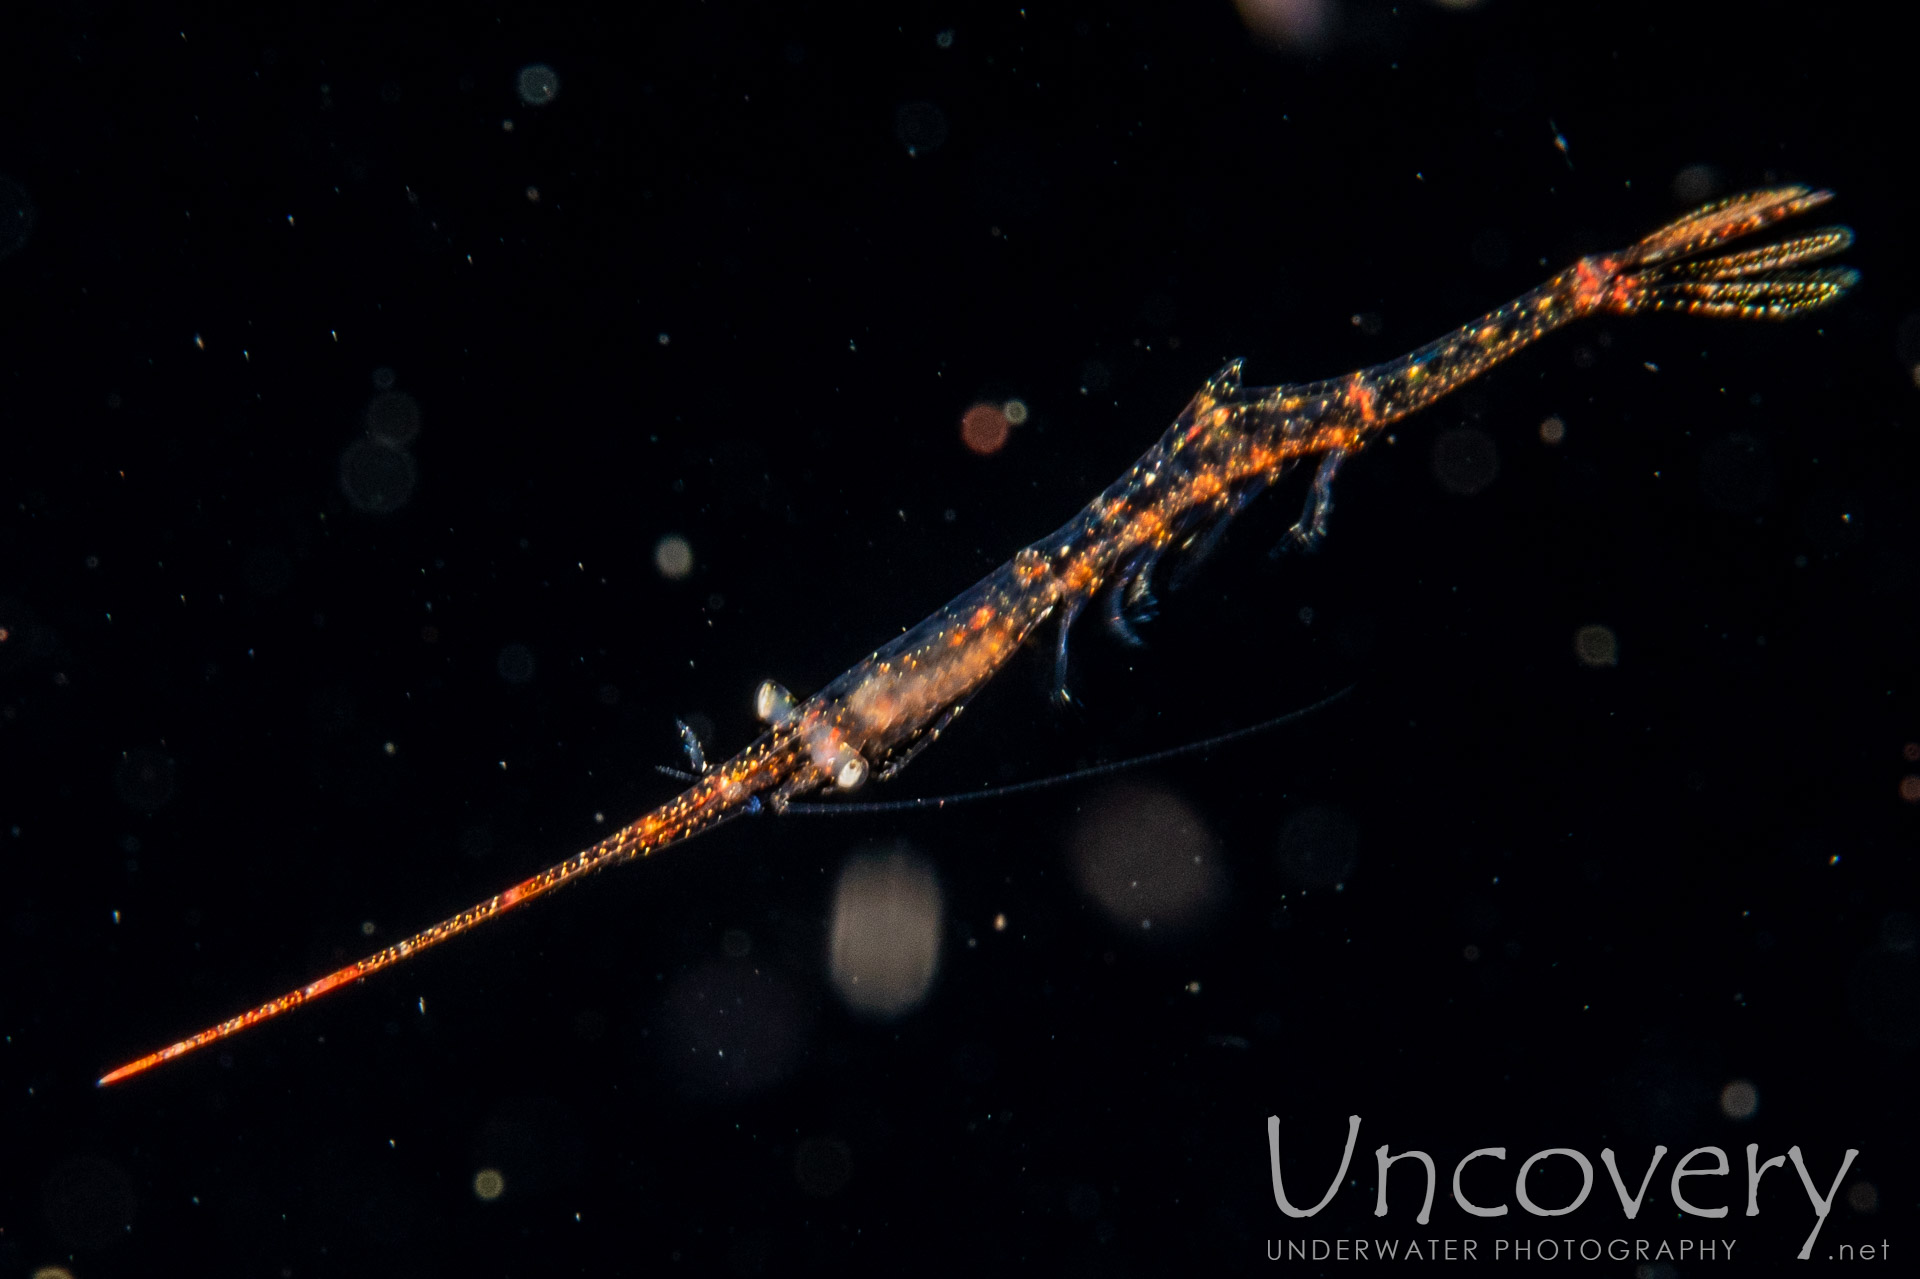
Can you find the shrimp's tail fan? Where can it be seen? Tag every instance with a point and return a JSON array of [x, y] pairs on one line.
[[1677, 268]]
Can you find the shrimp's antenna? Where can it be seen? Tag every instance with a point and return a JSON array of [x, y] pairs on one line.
[[1077, 775]]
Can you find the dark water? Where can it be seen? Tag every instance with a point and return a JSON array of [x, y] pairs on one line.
[[343, 430]]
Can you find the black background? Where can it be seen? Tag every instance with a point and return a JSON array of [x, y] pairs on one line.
[[1687, 869]]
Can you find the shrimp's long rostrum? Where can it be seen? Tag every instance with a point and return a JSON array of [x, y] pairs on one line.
[[1230, 443]]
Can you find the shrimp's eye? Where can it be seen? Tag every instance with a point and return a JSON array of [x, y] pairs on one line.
[[853, 771], [772, 703]]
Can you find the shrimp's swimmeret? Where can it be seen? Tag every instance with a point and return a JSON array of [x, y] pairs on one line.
[[1231, 442]]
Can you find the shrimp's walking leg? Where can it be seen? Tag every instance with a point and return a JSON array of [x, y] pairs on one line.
[[1069, 610], [1311, 528], [1129, 600], [1195, 551], [925, 740]]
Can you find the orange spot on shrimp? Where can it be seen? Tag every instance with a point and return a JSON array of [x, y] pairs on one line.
[[1589, 284], [327, 983], [1081, 578], [1148, 526], [1361, 396]]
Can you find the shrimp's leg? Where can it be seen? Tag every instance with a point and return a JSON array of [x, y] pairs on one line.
[[926, 739], [1068, 612], [1129, 601], [1311, 528], [804, 809], [1195, 550]]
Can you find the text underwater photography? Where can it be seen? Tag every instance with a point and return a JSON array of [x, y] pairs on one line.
[[1255, 635]]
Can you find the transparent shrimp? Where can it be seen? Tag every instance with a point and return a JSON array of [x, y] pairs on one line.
[[1229, 443]]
